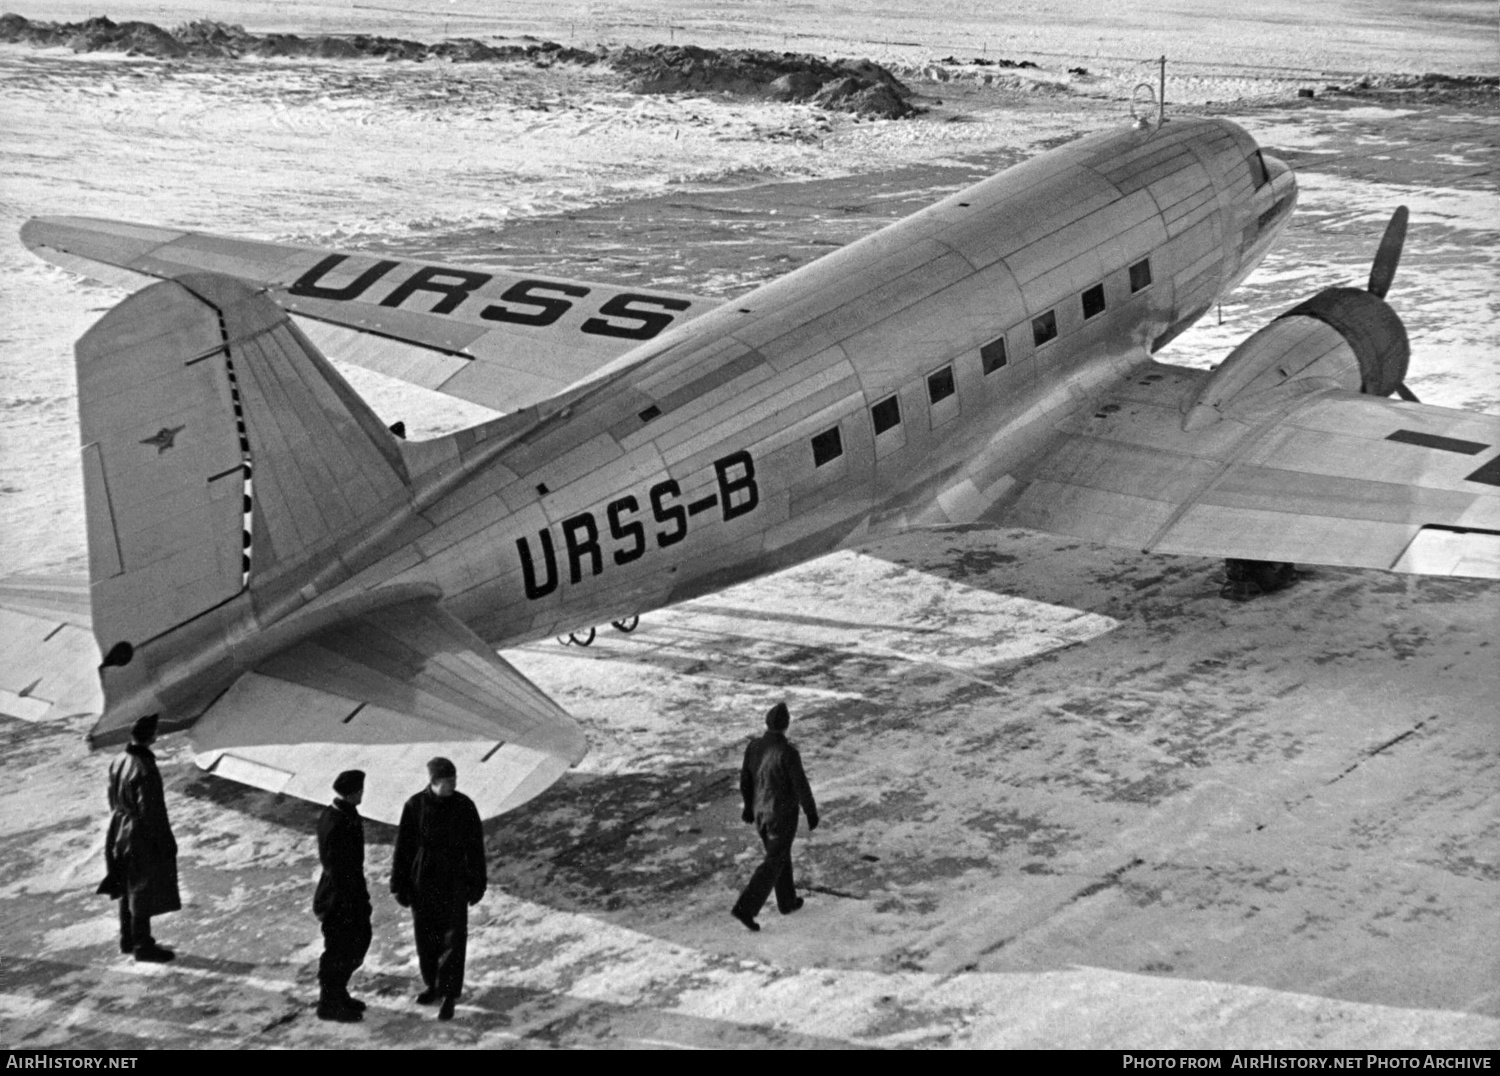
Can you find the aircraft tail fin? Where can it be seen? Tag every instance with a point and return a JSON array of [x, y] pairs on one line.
[[222, 456]]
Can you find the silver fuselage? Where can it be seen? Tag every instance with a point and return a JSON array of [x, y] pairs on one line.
[[706, 456]]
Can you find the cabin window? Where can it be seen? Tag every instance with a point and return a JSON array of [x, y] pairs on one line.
[[1140, 275], [1258, 174], [1093, 301], [992, 355], [1044, 328], [827, 446], [886, 414], [940, 384]]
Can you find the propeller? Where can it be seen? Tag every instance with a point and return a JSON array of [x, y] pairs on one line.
[[1389, 254], [1383, 271]]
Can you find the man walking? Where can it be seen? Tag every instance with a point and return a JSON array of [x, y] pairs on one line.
[[774, 788], [438, 872], [342, 899], [140, 853]]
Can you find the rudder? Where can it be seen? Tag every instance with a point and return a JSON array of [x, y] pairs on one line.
[[166, 479]]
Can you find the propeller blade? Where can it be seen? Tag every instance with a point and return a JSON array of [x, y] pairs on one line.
[[1406, 393], [1389, 254]]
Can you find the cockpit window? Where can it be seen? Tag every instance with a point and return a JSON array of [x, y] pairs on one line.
[[1268, 218], [1258, 173]]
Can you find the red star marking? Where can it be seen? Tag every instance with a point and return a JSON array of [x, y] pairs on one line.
[[163, 438]]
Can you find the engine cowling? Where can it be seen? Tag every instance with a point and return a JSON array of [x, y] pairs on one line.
[[1371, 328], [1344, 338]]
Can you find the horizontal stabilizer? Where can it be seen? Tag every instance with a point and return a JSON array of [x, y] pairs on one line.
[[48, 659], [495, 337], [383, 693]]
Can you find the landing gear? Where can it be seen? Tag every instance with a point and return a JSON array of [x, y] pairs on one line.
[[574, 639], [1246, 579]]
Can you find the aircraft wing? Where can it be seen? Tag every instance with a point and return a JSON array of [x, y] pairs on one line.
[[1324, 477], [384, 693], [495, 337], [48, 657]]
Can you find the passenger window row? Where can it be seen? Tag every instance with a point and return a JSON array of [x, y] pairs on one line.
[[886, 414]]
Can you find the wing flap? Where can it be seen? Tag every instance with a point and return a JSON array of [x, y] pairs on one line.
[[494, 337], [385, 692], [1438, 551], [1324, 477]]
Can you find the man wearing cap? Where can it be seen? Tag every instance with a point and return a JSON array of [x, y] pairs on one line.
[[140, 853], [342, 900], [438, 872], [774, 787]]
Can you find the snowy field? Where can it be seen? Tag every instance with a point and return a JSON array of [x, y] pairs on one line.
[[1072, 797]]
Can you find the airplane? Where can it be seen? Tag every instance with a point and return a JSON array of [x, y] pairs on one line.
[[302, 591]]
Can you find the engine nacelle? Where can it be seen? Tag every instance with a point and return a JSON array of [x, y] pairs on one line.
[[1340, 338]]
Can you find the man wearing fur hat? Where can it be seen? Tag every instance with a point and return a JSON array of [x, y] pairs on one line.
[[438, 872], [774, 788], [342, 899], [140, 853]]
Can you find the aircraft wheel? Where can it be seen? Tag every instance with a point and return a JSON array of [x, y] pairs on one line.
[[629, 624], [587, 640], [1248, 579]]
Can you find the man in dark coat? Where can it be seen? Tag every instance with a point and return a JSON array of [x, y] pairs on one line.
[[438, 872], [140, 853], [342, 900], [774, 788]]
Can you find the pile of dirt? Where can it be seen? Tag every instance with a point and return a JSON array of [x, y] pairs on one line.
[[207, 39], [859, 86], [94, 35], [1429, 88], [981, 61], [992, 73]]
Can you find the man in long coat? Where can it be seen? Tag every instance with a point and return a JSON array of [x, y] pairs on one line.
[[140, 853], [774, 788], [438, 871], [342, 899]]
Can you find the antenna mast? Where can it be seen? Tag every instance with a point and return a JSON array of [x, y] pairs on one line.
[[1161, 97]]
